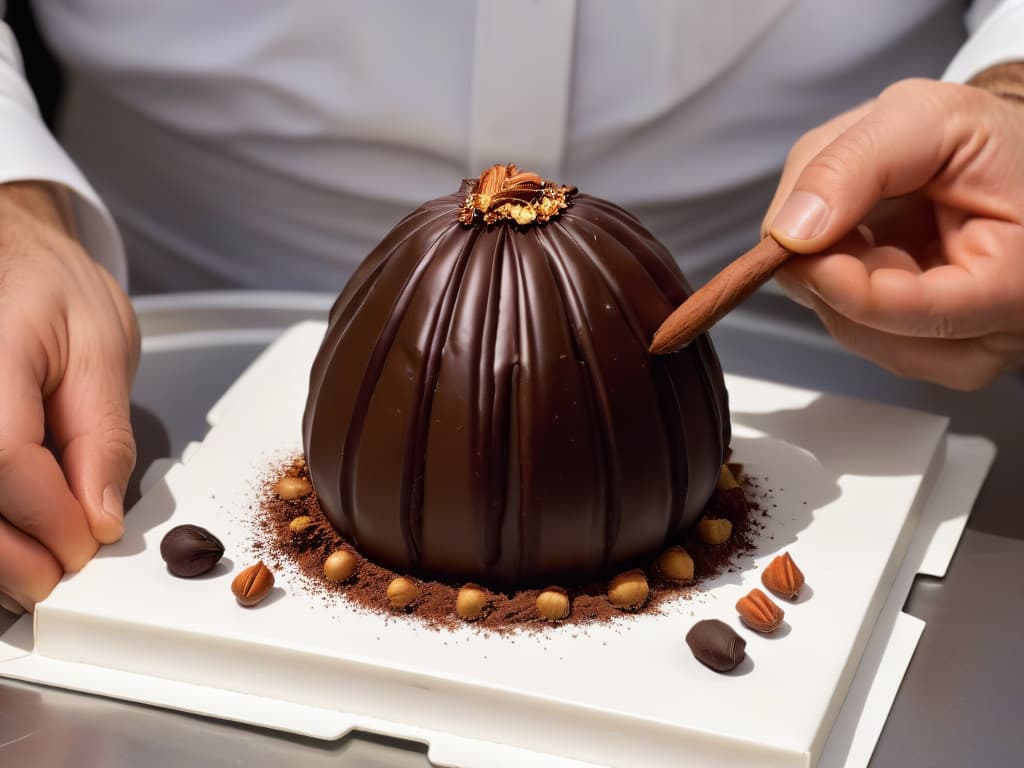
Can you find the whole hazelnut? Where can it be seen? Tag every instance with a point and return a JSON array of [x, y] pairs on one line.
[[726, 481], [402, 592], [783, 577], [340, 565], [289, 488], [758, 612], [628, 590], [252, 584], [553, 604], [675, 564], [714, 530], [471, 602], [300, 523]]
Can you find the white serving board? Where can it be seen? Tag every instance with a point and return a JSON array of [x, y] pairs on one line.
[[851, 487]]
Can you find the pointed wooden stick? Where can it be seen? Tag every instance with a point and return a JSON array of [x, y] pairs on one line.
[[719, 296]]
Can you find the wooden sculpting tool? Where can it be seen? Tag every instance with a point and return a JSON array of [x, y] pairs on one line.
[[719, 296]]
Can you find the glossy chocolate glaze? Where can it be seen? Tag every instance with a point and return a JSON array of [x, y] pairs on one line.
[[483, 406]]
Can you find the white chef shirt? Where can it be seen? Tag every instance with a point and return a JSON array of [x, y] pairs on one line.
[[272, 143]]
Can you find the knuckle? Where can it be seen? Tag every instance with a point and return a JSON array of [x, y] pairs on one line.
[[850, 157], [121, 442], [927, 96], [125, 316], [114, 432], [911, 89], [954, 95], [907, 86], [848, 152]]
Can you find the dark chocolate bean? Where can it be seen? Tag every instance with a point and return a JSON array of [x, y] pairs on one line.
[[190, 550], [715, 644]]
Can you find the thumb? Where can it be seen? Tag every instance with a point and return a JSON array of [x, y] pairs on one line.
[[896, 148], [89, 417]]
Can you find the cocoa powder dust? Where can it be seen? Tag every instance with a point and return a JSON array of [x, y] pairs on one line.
[[308, 548]]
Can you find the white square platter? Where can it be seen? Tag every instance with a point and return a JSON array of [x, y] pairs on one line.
[[864, 496]]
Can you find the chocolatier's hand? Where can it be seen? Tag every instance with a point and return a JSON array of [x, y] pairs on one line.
[[915, 204], [69, 345]]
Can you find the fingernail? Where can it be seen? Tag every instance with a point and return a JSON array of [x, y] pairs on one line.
[[113, 504], [10, 605], [802, 217]]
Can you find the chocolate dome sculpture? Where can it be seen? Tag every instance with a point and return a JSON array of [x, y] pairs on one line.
[[483, 406]]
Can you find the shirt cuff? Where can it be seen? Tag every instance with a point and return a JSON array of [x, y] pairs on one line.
[[29, 152], [998, 40]]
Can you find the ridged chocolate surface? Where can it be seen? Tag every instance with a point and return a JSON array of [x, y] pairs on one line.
[[484, 408]]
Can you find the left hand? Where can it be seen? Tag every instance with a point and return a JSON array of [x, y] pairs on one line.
[[69, 345], [913, 205]]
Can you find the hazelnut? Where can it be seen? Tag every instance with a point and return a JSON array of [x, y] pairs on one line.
[[726, 482], [758, 611], [714, 530], [471, 602], [628, 590], [553, 604], [252, 584], [340, 565], [783, 577], [289, 488], [402, 593], [675, 564], [300, 523]]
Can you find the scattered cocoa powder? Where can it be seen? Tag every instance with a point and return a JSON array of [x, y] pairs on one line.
[[308, 548]]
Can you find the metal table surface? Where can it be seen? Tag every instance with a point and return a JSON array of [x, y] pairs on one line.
[[958, 704]]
